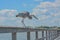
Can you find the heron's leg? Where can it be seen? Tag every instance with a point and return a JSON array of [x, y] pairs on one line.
[[23, 23]]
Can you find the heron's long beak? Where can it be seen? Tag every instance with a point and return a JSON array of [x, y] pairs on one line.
[[35, 17]]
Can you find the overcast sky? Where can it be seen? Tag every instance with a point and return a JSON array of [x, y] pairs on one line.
[[48, 12]]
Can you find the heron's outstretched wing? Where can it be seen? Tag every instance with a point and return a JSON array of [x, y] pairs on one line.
[[34, 16]]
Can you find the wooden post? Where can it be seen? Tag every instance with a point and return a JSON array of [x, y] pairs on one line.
[[36, 34], [28, 35], [46, 35], [49, 35], [14, 36], [43, 35]]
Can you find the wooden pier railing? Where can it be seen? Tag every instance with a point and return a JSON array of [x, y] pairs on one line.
[[51, 34]]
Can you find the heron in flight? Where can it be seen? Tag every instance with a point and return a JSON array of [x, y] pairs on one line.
[[24, 15]]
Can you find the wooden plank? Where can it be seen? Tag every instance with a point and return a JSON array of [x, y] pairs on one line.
[[14, 36], [19, 29], [16, 29]]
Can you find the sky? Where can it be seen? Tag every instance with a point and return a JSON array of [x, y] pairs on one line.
[[48, 12]]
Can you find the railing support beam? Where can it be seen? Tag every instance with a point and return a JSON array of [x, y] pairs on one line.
[[28, 35], [36, 34], [14, 36], [43, 35], [46, 35]]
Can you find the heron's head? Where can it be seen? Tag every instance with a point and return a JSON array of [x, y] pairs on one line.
[[30, 17]]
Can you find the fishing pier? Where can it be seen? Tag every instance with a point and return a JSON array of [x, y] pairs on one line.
[[50, 34]]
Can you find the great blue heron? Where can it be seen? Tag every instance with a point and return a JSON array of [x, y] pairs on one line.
[[25, 15]]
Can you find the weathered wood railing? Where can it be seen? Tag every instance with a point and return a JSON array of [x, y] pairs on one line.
[[51, 34]]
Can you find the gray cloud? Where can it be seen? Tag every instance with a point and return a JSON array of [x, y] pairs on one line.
[[48, 11]]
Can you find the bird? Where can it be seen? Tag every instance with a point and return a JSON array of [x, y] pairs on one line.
[[24, 15]]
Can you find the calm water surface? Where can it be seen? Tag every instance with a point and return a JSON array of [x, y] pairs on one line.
[[20, 36]]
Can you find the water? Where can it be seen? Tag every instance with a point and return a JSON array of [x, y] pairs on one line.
[[20, 36]]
